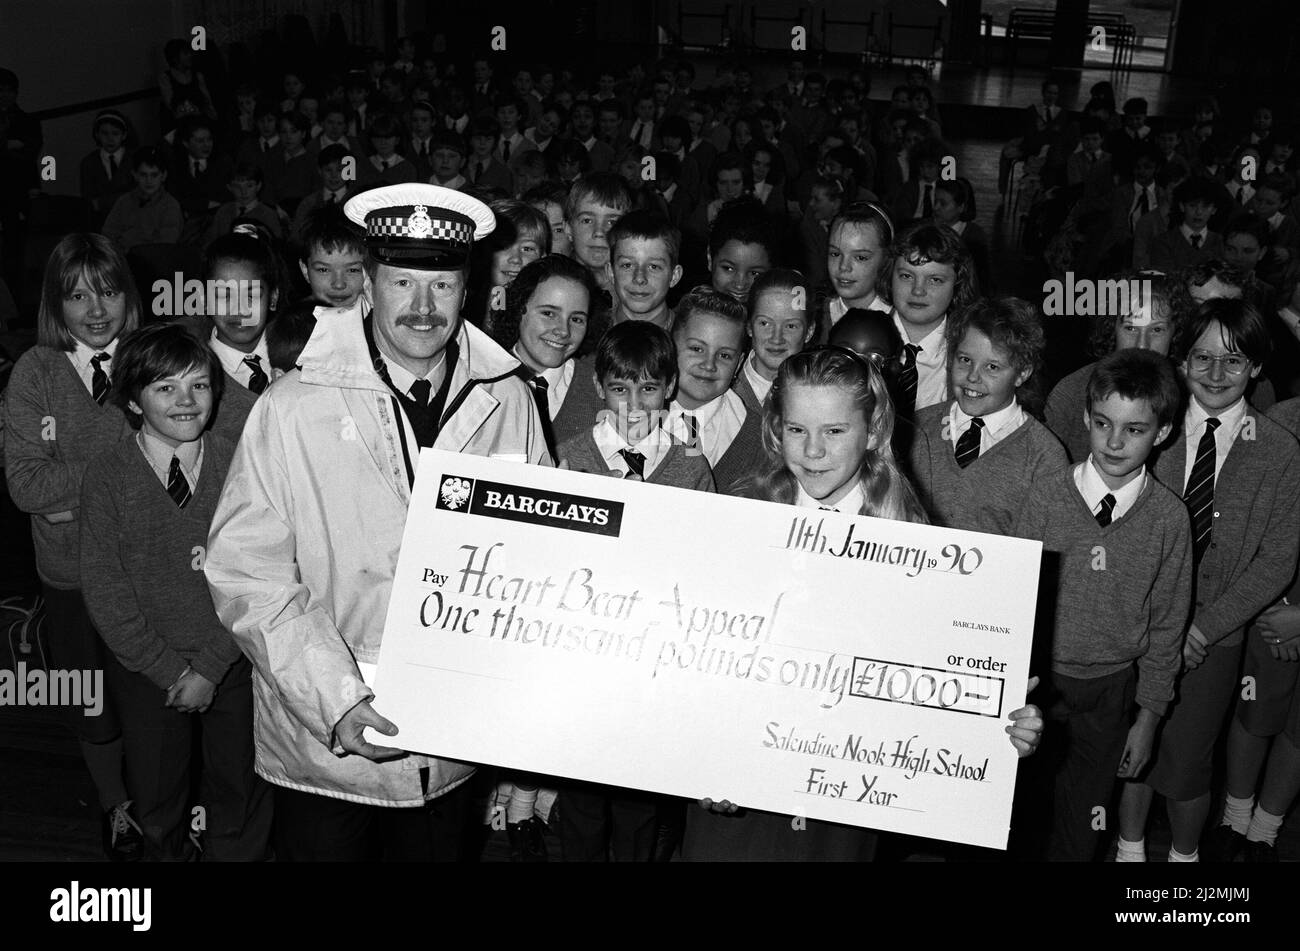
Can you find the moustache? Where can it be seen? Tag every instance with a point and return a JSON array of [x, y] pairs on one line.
[[407, 319]]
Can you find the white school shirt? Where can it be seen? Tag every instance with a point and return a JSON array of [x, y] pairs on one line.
[[762, 190], [232, 360], [342, 140], [1153, 201], [719, 420], [997, 426], [159, 456], [1090, 485], [654, 446], [1236, 188], [919, 210], [80, 356], [851, 504], [558, 380], [760, 384], [1230, 422], [931, 363], [1188, 232], [838, 308], [515, 142]]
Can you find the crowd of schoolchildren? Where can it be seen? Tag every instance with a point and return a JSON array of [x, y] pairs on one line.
[[775, 293]]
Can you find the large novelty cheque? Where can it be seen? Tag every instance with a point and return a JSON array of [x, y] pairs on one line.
[[805, 662]]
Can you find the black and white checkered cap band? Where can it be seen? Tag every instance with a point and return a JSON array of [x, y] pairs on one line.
[[381, 227]]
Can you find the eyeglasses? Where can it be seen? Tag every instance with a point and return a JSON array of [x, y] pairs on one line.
[[1234, 364]]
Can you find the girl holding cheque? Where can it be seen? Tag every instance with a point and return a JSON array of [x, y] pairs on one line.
[[827, 430]]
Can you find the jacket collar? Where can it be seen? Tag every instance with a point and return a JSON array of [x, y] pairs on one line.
[[336, 354]]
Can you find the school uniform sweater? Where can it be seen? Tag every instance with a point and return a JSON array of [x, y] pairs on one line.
[[1124, 591], [678, 467], [744, 456], [232, 410], [53, 429], [1252, 554], [582, 406], [142, 565], [1064, 413], [987, 495]]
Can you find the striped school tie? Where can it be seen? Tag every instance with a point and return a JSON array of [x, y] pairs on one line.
[[1107, 507], [635, 463], [692, 431], [968, 446], [98, 378], [1200, 492], [177, 485], [907, 381], [541, 391]]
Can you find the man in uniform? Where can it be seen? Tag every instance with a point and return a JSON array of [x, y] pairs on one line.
[[303, 547]]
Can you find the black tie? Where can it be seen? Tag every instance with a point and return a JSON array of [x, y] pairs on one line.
[[927, 201], [1200, 491], [1241, 196], [636, 134], [907, 381], [827, 508], [420, 391], [540, 389], [177, 486], [116, 163], [968, 446], [1143, 206], [635, 463], [505, 151], [692, 432], [1196, 241], [257, 376], [1107, 507], [98, 378], [478, 170]]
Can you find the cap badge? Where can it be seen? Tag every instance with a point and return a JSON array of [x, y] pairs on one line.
[[419, 225]]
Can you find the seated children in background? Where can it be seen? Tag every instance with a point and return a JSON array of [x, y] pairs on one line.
[[245, 187], [1263, 748], [333, 259], [974, 459], [148, 214], [106, 172], [146, 507], [333, 190], [1130, 612], [780, 325], [290, 168], [1239, 474], [1150, 324], [636, 367], [447, 160], [706, 413], [482, 167], [929, 275], [826, 430], [386, 166], [857, 250], [954, 207]]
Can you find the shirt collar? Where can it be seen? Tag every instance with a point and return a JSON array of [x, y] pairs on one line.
[[704, 414], [1094, 488], [996, 424], [851, 504], [1229, 419], [611, 444], [1188, 232], [931, 344], [81, 353], [231, 359], [160, 454]]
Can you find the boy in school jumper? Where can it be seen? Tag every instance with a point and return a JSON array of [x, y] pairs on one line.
[[146, 508], [641, 269], [706, 413], [333, 189], [386, 166], [1192, 241], [1264, 737], [245, 187], [1118, 629], [148, 214], [636, 368], [974, 459], [106, 172], [482, 167], [1239, 475]]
